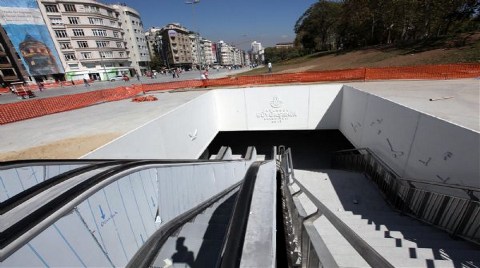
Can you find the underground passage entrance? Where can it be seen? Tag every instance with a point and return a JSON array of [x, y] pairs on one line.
[[312, 148]]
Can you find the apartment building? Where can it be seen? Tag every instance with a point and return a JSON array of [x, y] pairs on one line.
[[151, 36], [195, 49], [89, 37], [134, 37], [208, 52], [176, 45]]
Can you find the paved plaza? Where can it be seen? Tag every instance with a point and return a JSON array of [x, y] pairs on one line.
[[80, 131]]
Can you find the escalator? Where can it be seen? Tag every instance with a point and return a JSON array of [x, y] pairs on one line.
[[104, 213]]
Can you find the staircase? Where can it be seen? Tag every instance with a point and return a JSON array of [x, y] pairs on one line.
[[374, 230]]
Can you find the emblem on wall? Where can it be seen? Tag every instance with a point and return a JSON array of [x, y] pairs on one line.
[[276, 113]]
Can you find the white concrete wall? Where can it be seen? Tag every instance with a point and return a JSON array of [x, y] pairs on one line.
[[279, 108], [183, 133], [414, 144]]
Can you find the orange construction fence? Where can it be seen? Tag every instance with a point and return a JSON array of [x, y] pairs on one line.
[[12, 112]]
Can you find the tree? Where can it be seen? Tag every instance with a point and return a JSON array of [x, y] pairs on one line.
[[316, 29]]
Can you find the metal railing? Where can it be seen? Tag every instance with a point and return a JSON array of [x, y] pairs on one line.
[[460, 216], [310, 256]]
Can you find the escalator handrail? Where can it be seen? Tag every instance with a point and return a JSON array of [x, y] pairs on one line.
[[28, 227], [26, 194], [232, 247]]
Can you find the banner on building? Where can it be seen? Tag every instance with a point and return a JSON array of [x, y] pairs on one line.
[[26, 29]]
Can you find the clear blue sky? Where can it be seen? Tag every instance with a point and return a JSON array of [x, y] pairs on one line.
[[237, 22]]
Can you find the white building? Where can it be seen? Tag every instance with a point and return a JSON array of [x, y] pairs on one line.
[[256, 47], [151, 36], [224, 53], [194, 48], [134, 38], [208, 52], [89, 38]]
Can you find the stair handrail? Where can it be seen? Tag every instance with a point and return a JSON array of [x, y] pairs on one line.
[[459, 216], [407, 179], [370, 255]]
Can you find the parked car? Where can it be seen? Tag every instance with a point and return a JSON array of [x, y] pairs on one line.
[[120, 78]]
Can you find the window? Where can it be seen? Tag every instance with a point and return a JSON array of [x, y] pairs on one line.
[[61, 33], [97, 32], [56, 21], [78, 32], [70, 56], [93, 9], [106, 54], [112, 23], [9, 72], [102, 43], [65, 45], [82, 44], [110, 13], [86, 55], [51, 8], [121, 54], [96, 21], [73, 66], [115, 34], [69, 7], [119, 45], [4, 60], [73, 20]]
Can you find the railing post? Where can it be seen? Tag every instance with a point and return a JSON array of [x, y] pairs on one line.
[[465, 217]]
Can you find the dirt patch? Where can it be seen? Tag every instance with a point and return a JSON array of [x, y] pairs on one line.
[[71, 148]]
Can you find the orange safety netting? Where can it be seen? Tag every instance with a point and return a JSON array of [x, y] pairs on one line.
[[12, 112]]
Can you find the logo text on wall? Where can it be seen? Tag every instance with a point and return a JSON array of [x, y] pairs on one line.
[[276, 113]]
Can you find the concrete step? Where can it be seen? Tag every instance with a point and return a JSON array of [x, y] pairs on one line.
[[363, 226], [417, 263], [372, 215], [327, 240], [407, 253], [379, 220], [189, 252], [260, 157], [422, 238]]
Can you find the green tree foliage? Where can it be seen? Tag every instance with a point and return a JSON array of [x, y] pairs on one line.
[[281, 54], [329, 25], [156, 61]]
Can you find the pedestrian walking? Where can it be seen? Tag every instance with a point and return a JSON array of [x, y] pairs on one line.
[[41, 86], [138, 77], [269, 67], [85, 82]]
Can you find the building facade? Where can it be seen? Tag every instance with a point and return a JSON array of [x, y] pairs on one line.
[[11, 69], [89, 37], [134, 37], [152, 38], [208, 52], [176, 46]]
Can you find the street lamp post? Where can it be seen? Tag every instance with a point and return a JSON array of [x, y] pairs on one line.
[[197, 43]]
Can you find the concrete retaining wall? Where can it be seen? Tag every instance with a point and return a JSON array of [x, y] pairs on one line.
[[414, 144], [183, 133], [280, 108]]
